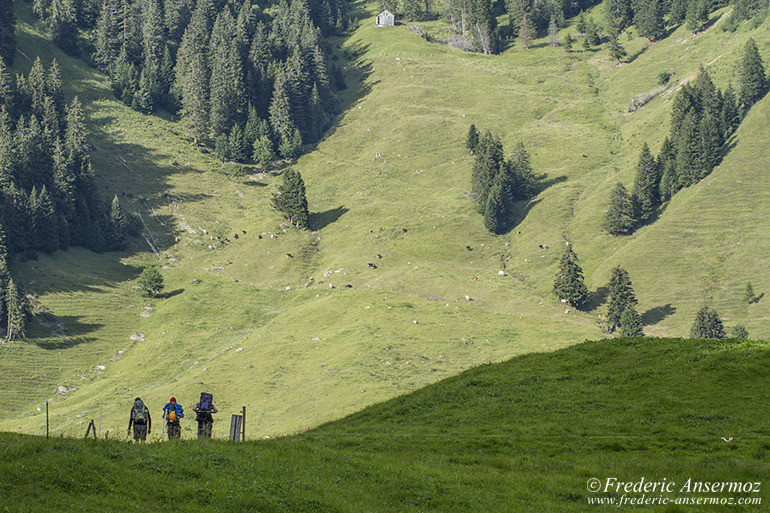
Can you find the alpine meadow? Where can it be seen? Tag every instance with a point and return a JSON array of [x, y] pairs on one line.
[[467, 262]]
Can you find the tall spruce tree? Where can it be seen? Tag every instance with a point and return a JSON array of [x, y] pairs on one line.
[[118, 225], [620, 296], [751, 75], [62, 24], [646, 186], [631, 323], [291, 199], [569, 285], [688, 150], [472, 139], [228, 99], [495, 210], [486, 166], [620, 218], [17, 312], [649, 19], [263, 151]]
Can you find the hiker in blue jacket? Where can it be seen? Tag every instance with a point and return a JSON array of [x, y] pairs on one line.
[[141, 420], [172, 412], [204, 408]]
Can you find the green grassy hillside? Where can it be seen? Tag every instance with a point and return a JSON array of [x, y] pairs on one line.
[[239, 320], [525, 435]]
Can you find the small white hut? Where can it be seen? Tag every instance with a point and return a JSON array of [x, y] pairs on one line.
[[385, 19]]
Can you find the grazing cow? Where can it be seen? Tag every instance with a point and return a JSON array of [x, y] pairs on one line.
[[379, 256], [235, 236], [469, 248], [289, 255], [372, 265], [243, 232]]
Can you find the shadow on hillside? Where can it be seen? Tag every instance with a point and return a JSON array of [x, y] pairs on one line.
[[171, 294], [596, 299], [58, 344], [134, 173], [99, 273], [522, 208], [320, 220], [632, 57], [655, 315], [358, 87], [67, 332]]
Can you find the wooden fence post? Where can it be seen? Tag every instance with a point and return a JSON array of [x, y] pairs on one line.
[[235, 427], [91, 426], [46, 419], [243, 425]]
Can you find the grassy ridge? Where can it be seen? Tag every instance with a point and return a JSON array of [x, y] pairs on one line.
[[519, 436], [412, 102]]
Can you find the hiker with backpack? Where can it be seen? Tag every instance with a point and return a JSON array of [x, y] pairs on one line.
[[204, 408], [140, 419], [172, 412]]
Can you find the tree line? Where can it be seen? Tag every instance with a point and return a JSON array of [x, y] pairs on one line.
[[702, 120], [254, 80], [496, 183], [476, 21]]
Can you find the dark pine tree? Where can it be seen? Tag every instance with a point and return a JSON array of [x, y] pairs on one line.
[[45, 220], [666, 163], [237, 144], [292, 148], [228, 98], [646, 186], [752, 81], [151, 281], [631, 323], [291, 199], [649, 20], [730, 116], [707, 324], [472, 139], [62, 25], [569, 285], [17, 312], [620, 296], [688, 150], [486, 166], [263, 151], [118, 225], [495, 210], [620, 219]]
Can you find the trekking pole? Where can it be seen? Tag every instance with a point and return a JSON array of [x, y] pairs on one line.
[[163, 427]]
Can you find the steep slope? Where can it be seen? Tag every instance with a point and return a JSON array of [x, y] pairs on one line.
[[239, 321]]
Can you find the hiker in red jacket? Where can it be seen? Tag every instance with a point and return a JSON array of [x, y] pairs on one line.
[[172, 412]]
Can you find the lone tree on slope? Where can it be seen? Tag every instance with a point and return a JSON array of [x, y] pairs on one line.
[[569, 285], [707, 324], [621, 295]]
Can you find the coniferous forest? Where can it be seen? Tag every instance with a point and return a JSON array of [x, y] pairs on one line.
[[255, 83]]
